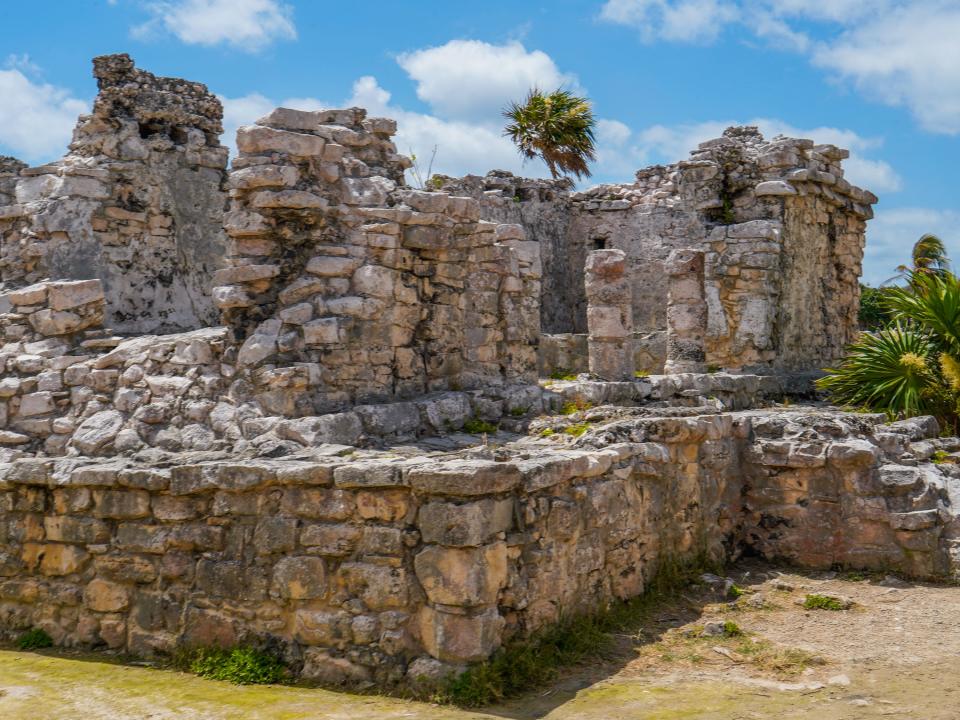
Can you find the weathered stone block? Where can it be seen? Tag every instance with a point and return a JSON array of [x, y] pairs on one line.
[[460, 638], [300, 578], [464, 577], [467, 524]]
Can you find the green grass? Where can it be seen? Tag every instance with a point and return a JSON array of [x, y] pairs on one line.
[[941, 457], [519, 411], [476, 426], [563, 374], [641, 374], [239, 665], [547, 432], [574, 406], [822, 602], [577, 429], [736, 591], [525, 664], [34, 639], [731, 629]]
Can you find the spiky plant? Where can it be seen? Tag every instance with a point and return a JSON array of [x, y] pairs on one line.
[[556, 127], [913, 365], [928, 257]]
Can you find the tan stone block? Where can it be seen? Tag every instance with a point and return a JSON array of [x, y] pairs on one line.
[[464, 577], [104, 596], [322, 627], [385, 505], [61, 559], [460, 638]]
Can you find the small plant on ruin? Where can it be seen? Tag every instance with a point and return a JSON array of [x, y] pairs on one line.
[[476, 426], [816, 601], [574, 406], [519, 411], [577, 429], [34, 639], [547, 432], [640, 374], [239, 665], [423, 179], [557, 127], [942, 457], [563, 374], [731, 629]]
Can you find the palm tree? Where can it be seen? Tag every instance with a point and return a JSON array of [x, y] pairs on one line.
[[929, 257], [556, 127], [913, 365]]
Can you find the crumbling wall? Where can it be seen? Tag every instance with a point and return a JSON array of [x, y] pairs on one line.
[[381, 569], [781, 230], [346, 287], [137, 203]]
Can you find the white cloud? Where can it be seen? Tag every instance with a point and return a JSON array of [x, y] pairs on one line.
[[897, 52], [909, 56], [680, 20], [246, 24], [892, 233], [466, 79], [36, 119]]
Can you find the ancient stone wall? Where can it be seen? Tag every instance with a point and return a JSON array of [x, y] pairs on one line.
[[781, 231], [137, 203], [380, 568], [347, 288]]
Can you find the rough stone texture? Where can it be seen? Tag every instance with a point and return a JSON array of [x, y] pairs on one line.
[[137, 203], [464, 553], [686, 313], [609, 315], [781, 231], [345, 287]]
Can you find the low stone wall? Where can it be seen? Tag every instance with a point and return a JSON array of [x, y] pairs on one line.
[[358, 569], [378, 567]]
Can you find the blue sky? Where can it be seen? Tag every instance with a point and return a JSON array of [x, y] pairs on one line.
[[880, 77]]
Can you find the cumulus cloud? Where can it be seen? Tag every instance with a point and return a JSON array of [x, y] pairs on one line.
[[36, 118], [898, 52], [892, 233], [248, 25], [909, 56], [465, 79], [679, 20]]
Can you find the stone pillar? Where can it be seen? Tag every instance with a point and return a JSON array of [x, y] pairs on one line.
[[609, 315], [686, 312]]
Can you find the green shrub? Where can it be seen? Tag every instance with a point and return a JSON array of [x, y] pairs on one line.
[[34, 639], [823, 602], [874, 313], [476, 426], [239, 665], [731, 629]]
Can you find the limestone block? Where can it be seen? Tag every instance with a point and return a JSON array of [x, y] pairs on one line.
[[460, 638], [257, 139], [70, 295], [378, 586], [104, 596], [366, 191], [465, 577], [465, 478], [97, 431], [332, 540], [323, 627], [775, 187], [60, 559], [327, 266], [81, 530], [287, 199], [606, 322], [38, 403], [300, 578], [467, 524], [325, 331], [321, 667]]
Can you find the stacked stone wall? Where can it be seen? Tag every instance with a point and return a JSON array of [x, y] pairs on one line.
[[347, 288], [380, 569], [137, 203]]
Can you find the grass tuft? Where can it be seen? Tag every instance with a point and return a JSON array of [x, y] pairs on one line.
[[525, 664], [577, 429], [239, 665], [823, 602], [476, 426], [34, 639], [563, 374]]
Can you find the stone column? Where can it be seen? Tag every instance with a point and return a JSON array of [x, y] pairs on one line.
[[609, 315], [686, 313]]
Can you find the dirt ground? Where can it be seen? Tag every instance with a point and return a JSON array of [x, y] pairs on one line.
[[895, 653]]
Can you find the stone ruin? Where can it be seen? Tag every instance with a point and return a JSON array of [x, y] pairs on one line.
[[360, 466]]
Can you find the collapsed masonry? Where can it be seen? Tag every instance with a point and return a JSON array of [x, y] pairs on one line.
[[308, 476], [780, 230]]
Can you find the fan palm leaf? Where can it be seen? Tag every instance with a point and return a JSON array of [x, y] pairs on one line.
[[557, 127]]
